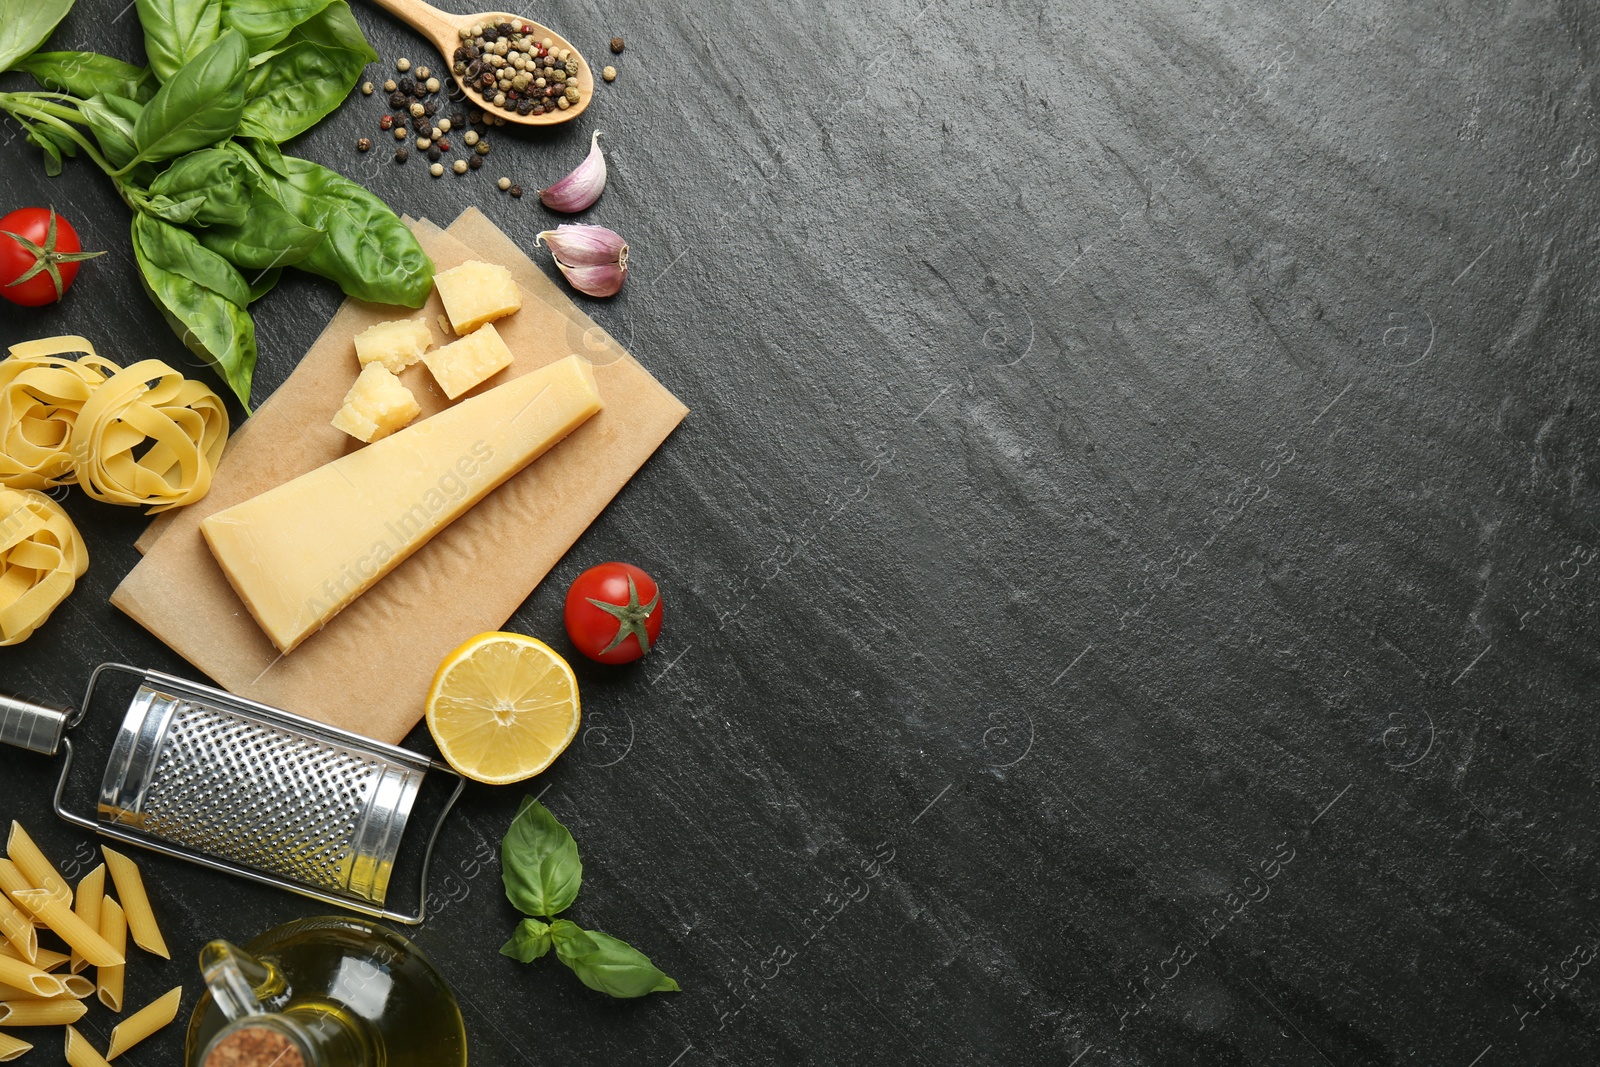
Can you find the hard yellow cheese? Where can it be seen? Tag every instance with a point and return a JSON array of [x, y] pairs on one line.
[[477, 357], [475, 293], [300, 553], [376, 406], [396, 344]]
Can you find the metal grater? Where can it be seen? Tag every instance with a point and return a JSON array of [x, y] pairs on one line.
[[245, 788]]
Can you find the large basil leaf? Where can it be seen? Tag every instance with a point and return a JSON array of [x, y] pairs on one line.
[[266, 22], [606, 964], [199, 106], [175, 31], [111, 119], [539, 862], [175, 249], [24, 25], [291, 89], [85, 74], [368, 250], [214, 327], [269, 236], [216, 175]]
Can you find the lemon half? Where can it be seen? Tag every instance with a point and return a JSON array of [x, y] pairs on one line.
[[502, 707]]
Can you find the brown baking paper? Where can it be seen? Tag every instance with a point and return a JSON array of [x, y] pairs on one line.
[[368, 670]]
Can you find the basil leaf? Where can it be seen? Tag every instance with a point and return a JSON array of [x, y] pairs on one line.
[[608, 965], [179, 212], [219, 177], [111, 119], [368, 250], [539, 862], [46, 141], [268, 237], [530, 941], [264, 23], [290, 90], [176, 31], [85, 74], [263, 153], [199, 106], [214, 327], [175, 249], [24, 25], [262, 283]]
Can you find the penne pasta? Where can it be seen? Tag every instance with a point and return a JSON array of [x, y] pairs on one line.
[[23, 975], [136, 903], [78, 987], [12, 1048], [147, 1020], [61, 1011], [69, 927], [17, 928], [40, 872], [91, 893], [114, 929], [45, 959], [80, 1053]]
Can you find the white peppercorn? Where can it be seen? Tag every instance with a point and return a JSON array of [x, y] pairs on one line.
[[416, 110], [609, 74], [423, 144], [436, 169], [470, 137], [459, 166], [432, 85], [366, 88], [504, 184], [399, 133], [423, 73], [402, 65], [444, 125], [390, 86]]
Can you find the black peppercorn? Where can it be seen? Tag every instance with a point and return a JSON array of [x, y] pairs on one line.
[[430, 108], [397, 100], [474, 162], [524, 106], [434, 154], [460, 53], [617, 44], [516, 190], [401, 155], [407, 85], [363, 144]]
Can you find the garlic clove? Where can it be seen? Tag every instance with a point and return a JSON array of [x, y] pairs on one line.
[[583, 186], [600, 279], [580, 245]]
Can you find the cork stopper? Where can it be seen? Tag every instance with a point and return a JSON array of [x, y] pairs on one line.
[[254, 1047]]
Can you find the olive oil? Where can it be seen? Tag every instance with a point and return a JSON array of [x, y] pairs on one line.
[[349, 992]]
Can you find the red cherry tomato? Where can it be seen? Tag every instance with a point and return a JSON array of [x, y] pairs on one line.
[[39, 256], [613, 613]]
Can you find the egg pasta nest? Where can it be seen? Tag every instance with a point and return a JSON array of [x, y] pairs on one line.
[[42, 556], [139, 436]]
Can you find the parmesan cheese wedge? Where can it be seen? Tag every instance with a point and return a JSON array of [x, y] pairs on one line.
[[299, 554]]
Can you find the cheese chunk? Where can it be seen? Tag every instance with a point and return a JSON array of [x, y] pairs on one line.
[[300, 553], [376, 406], [460, 365], [475, 293], [396, 344]]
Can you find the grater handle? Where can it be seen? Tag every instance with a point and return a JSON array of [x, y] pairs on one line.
[[34, 726]]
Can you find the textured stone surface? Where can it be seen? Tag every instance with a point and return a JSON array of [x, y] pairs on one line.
[[1141, 478]]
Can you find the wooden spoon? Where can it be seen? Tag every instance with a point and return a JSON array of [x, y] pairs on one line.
[[444, 30]]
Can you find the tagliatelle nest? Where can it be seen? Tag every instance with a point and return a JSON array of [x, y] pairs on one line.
[[42, 556], [41, 393], [149, 436]]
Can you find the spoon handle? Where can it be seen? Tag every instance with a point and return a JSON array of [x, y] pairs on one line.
[[424, 18]]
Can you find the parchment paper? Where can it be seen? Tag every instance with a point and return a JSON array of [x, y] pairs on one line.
[[368, 670]]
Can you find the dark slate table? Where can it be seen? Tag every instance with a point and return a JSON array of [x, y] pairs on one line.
[[1141, 492]]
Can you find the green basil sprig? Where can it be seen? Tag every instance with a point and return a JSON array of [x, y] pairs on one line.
[[542, 873], [191, 143]]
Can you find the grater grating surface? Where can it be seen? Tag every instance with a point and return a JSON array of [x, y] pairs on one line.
[[261, 796]]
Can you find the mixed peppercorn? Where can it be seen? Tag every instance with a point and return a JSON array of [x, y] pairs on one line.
[[426, 113], [507, 66]]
